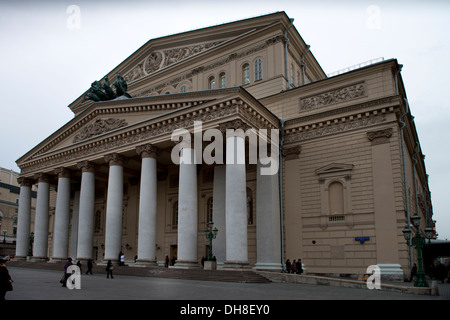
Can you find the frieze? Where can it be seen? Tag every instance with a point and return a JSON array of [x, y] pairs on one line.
[[324, 99], [316, 131], [99, 126]]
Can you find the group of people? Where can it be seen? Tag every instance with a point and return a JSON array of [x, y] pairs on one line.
[[295, 266]]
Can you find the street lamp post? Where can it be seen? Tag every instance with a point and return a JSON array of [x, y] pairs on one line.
[[418, 241], [210, 234]]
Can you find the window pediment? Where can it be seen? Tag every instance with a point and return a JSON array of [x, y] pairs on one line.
[[335, 170]]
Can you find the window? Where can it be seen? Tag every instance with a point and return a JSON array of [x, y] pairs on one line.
[[175, 215], [249, 207], [246, 74], [223, 80], [211, 83], [209, 210], [183, 89], [98, 221], [258, 69], [336, 198], [292, 75]]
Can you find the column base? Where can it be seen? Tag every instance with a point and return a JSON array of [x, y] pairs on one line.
[[268, 266], [17, 258], [185, 265], [57, 260], [38, 259], [236, 265], [391, 271]]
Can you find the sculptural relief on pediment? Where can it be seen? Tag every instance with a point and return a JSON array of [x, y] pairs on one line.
[[160, 59]]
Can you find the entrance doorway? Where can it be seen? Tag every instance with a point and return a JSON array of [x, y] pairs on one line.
[[173, 254]]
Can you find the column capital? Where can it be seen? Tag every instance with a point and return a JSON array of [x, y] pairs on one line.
[[25, 182], [62, 172], [147, 151], [290, 153], [86, 166], [114, 159], [42, 177], [379, 136]]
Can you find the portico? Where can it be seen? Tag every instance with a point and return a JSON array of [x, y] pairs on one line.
[[142, 175]]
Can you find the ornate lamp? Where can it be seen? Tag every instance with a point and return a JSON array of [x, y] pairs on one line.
[[210, 234]]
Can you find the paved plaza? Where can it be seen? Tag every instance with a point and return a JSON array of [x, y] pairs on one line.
[[39, 284]]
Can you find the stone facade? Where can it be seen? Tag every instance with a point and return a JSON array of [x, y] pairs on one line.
[[349, 176]]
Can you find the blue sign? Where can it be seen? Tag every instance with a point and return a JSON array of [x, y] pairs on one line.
[[362, 239]]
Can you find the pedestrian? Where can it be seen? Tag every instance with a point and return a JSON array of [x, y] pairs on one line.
[[203, 261], [413, 272], [5, 280], [89, 266], [299, 266], [79, 265], [294, 267], [109, 269], [66, 275], [121, 259], [166, 263], [288, 265]]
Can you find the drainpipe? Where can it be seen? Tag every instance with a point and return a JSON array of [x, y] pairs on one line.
[[414, 176], [280, 175], [304, 64], [286, 44]]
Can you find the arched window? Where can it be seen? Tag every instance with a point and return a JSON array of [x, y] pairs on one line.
[[292, 75], [209, 210], [223, 80], [246, 74], [183, 89], [211, 83], [336, 198], [258, 69], [175, 215]]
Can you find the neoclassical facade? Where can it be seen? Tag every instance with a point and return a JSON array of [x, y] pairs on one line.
[[350, 172]]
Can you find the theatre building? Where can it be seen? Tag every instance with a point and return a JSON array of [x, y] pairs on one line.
[[349, 172]]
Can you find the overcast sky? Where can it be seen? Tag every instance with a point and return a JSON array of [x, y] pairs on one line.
[[51, 51]]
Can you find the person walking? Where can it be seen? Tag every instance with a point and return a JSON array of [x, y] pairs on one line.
[[299, 266], [413, 272], [5, 280], [89, 266], [109, 269], [66, 275]]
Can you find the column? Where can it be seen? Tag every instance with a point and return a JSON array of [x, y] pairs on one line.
[[86, 215], [41, 218], [219, 214], [147, 206], [268, 235], [114, 208], [23, 219], [236, 197], [187, 211], [62, 213], [74, 225]]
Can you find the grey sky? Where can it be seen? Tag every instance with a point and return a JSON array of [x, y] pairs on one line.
[[45, 64]]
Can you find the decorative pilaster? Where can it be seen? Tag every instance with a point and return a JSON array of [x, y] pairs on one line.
[[23, 219], [86, 214], [147, 206], [114, 207], [62, 212], [41, 219], [268, 237]]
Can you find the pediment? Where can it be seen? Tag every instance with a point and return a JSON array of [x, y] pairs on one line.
[[159, 59], [334, 169]]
